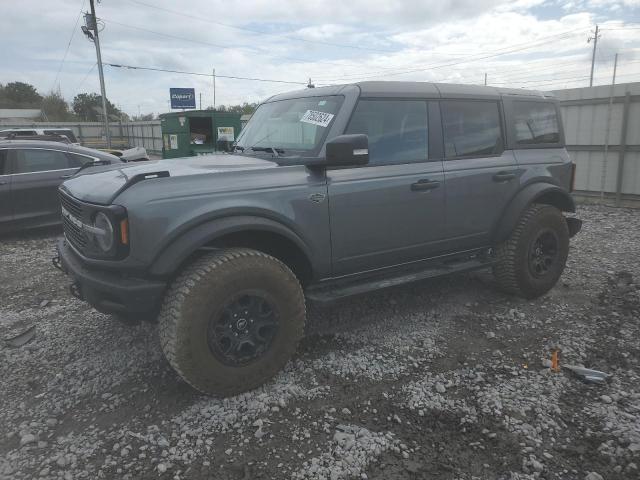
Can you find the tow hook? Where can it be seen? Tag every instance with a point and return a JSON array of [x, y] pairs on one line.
[[75, 290], [57, 263]]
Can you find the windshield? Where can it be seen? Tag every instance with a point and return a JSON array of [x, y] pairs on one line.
[[297, 124]]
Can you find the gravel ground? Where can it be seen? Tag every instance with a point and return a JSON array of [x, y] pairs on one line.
[[444, 379]]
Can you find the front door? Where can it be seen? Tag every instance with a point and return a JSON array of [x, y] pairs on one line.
[[390, 211], [481, 176], [34, 191]]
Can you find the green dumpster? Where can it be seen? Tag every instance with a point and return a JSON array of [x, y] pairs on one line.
[[198, 132]]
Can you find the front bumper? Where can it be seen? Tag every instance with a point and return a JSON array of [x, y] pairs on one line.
[[109, 292], [574, 225]]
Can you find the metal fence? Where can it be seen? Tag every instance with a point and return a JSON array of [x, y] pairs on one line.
[[91, 134], [144, 134], [602, 129]]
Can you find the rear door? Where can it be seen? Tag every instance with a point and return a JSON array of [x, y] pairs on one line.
[[481, 176], [37, 174], [390, 211], [6, 210]]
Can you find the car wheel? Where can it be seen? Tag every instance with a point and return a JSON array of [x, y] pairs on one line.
[[531, 260], [231, 321]]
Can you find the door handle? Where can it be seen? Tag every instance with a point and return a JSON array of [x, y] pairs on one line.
[[503, 176], [3, 182], [424, 185], [67, 176]]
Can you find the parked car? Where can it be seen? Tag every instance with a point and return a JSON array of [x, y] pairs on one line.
[[134, 154], [332, 192], [32, 132], [31, 172]]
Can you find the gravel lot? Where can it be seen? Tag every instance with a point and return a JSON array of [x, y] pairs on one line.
[[444, 379]]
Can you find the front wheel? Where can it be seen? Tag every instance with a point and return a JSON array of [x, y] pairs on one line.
[[231, 321], [531, 260]]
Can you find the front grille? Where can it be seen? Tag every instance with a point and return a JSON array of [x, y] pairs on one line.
[[74, 233], [71, 205]]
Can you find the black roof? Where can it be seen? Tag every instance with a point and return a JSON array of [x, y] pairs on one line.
[[416, 89]]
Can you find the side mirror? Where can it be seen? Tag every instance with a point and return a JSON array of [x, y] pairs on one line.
[[346, 150]]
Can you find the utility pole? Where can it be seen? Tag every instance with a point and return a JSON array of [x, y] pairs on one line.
[[214, 89], [90, 29], [593, 55], [485, 79], [200, 100]]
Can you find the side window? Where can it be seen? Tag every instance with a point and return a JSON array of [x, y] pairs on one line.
[[30, 161], [24, 133], [76, 161], [397, 130], [535, 122], [4, 164], [471, 128]]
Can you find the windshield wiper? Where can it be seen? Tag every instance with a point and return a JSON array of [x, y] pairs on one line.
[[275, 150]]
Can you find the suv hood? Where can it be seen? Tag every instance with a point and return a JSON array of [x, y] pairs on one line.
[[101, 184]]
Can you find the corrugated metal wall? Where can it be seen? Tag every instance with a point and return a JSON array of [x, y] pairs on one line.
[[586, 113]]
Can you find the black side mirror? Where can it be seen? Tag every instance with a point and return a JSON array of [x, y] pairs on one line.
[[348, 150]]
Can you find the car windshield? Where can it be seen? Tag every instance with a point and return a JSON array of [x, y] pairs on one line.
[[298, 124]]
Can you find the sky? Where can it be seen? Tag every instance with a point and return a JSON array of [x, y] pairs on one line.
[[537, 44]]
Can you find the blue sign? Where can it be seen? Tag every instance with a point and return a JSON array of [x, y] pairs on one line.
[[183, 97]]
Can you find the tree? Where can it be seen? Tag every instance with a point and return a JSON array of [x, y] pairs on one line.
[[19, 95], [143, 118], [88, 106], [245, 107], [55, 108]]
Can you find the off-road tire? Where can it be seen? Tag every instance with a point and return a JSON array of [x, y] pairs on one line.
[[203, 287], [512, 270]]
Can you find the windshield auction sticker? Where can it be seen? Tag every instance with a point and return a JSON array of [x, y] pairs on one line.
[[317, 118]]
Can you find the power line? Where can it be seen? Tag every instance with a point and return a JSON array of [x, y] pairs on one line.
[[66, 52], [472, 58], [131, 67], [209, 44], [85, 77], [260, 32]]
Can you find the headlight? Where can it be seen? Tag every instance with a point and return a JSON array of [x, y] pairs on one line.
[[104, 232]]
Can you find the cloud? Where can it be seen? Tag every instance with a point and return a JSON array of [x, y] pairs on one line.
[[528, 43]]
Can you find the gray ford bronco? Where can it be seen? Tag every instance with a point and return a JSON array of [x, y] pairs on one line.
[[329, 192]]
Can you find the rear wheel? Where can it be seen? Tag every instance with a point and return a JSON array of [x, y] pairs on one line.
[[232, 320], [532, 259]]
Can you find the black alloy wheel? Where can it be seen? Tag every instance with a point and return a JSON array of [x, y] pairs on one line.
[[243, 330], [543, 253]]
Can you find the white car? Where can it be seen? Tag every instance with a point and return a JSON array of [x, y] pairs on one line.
[[31, 132]]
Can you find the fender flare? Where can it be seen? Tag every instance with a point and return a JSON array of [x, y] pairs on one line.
[[174, 254], [534, 193]]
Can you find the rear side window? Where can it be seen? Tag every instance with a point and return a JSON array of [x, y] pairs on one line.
[[76, 160], [31, 161], [535, 123], [471, 128], [397, 130]]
